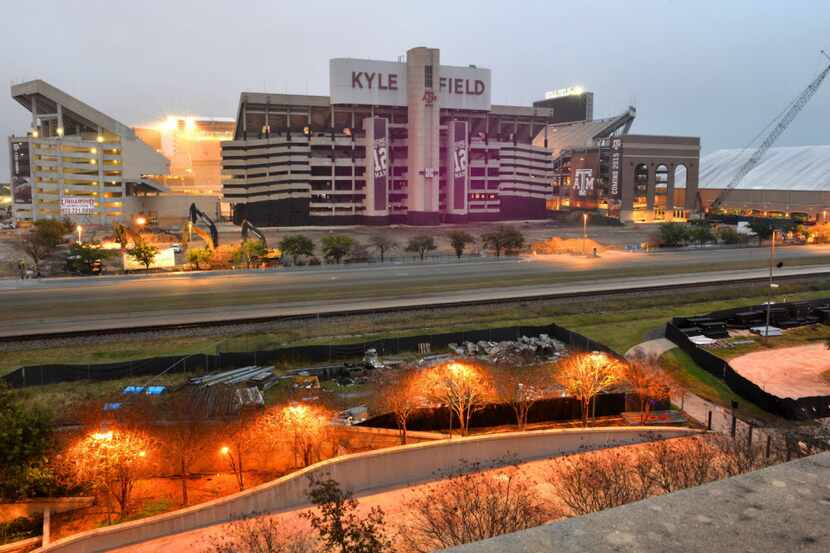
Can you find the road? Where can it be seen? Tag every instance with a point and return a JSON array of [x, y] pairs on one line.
[[113, 302]]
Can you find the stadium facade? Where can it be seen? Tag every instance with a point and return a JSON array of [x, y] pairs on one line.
[[411, 141]]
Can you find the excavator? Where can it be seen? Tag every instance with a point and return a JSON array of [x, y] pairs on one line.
[[196, 215], [272, 256], [123, 234]]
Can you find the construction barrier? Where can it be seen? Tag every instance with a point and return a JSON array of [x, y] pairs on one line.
[[39, 375], [804, 408]]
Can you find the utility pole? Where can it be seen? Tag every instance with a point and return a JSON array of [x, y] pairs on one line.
[[771, 285]]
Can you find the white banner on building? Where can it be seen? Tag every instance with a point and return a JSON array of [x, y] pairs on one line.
[[77, 206], [383, 83]]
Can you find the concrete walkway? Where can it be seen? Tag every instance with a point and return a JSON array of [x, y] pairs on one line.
[[693, 405]]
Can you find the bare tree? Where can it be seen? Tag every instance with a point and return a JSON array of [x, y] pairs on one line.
[[595, 481], [468, 505], [260, 533], [382, 244], [185, 431], [647, 380], [242, 437], [111, 461], [462, 386], [679, 464], [584, 375], [401, 395], [521, 387]]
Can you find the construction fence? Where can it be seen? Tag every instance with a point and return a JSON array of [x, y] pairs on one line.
[[39, 375], [804, 408]]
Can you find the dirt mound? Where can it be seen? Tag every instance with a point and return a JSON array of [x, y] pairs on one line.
[[577, 246]]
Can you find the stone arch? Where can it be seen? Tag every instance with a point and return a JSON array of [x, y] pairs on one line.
[[661, 185], [640, 183]]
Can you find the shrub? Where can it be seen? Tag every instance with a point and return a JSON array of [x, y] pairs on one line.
[[469, 506]]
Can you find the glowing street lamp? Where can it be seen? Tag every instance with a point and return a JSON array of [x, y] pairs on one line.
[[225, 450], [140, 221]]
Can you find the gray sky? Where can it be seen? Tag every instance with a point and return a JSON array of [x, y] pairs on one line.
[[715, 69]]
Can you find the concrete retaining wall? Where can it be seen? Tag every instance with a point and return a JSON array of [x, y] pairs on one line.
[[29, 507], [363, 472]]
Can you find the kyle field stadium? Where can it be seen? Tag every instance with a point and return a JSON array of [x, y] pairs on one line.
[[420, 143]]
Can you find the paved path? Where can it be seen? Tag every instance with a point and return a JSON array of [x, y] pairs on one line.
[[693, 405]]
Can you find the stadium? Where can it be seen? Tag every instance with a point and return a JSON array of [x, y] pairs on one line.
[[417, 142]]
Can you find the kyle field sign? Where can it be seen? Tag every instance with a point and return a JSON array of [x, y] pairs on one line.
[[383, 83]]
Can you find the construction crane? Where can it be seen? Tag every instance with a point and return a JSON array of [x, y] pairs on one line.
[[790, 114]]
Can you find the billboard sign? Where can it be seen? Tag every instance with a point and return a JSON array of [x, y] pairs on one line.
[[383, 83], [21, 181], [77, 206]]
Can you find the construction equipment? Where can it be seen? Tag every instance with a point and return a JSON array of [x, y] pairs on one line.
[[788, 116], [123, 235], [271, 256], [194, 216]]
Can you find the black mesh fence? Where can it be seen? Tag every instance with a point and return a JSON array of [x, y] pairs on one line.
[[39, 375], [500, 414], [803, 408]]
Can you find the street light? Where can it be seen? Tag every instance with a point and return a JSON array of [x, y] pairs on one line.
[[771, 285], [80, 230], [140, 221]]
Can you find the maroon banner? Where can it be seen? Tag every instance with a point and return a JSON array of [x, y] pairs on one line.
[[460, 159], [380, 152]]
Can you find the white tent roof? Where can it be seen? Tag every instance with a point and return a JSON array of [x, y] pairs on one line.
[[804, 168]]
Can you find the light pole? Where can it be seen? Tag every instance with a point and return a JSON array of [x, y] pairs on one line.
[[584, 231], [771, 285], [80, 230]]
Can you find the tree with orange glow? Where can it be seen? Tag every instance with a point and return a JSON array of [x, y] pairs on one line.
[[242, 435], [584, 375], [401, 394], [647, 380], [110, 460], [460, 385], [308, 427]]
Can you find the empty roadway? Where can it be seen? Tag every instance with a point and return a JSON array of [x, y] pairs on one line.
[[68, 304]]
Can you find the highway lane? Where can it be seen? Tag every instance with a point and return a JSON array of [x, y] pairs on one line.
[[274, 307]]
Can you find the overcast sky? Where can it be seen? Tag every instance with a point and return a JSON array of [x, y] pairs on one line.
[[718, 69]]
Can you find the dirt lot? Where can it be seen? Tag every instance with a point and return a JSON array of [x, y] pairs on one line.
[[788, 372]]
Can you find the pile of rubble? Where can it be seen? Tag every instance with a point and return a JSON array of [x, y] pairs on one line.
[[524, 350]]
